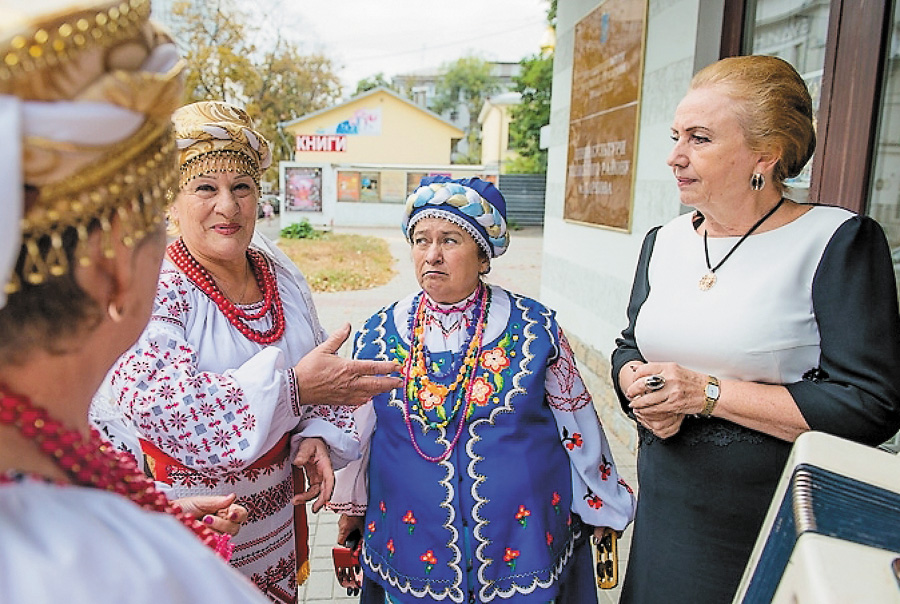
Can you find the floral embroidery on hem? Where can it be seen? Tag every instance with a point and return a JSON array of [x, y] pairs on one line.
[[429, 560], [510, 557]]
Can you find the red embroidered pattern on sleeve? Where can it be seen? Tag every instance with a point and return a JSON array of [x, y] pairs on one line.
[[574, 395], [340, 417], [201, 419]]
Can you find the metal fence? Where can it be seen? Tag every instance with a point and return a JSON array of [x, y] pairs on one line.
[[524, 194]]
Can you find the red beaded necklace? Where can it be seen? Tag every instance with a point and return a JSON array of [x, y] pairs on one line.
[[92, 462], [265, 279]]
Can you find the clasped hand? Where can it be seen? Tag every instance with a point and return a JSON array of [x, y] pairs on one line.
[[327, 379], [662, 410], [218, 512]]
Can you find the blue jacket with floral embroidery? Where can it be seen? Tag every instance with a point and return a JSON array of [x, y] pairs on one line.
[[491, 520]]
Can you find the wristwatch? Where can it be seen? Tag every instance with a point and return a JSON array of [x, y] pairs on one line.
[[711, 392]]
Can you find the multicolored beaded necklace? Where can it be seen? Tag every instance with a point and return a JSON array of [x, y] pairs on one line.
[[434, 367], [92, 462], [265, 279], [417, 373]]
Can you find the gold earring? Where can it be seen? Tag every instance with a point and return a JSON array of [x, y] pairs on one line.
[[114, 312]]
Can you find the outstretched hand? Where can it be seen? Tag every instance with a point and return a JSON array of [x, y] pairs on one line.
[[218, 512], [312, 457], [327, 379]]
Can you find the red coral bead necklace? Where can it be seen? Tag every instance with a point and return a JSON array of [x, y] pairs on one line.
[[237, 316], [92, 462]]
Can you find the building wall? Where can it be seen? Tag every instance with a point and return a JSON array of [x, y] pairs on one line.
[[408, 135], [421, 87], [385, 212], [588, 271], [495, 150]]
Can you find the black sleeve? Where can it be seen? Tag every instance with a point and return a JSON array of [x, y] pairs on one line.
[[855, 391], [626, 346]]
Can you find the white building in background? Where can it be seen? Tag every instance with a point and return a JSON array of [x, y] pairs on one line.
[[420, 86], [495, 118]]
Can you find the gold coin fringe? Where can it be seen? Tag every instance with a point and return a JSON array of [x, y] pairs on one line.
[[132, 181], [50, 45], [220, 160]]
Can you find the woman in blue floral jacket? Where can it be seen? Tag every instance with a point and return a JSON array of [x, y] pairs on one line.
[[485, 474]]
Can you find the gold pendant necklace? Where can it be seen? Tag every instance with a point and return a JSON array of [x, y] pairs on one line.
[[709, 279]]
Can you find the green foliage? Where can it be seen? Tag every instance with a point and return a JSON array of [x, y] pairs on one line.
[[526, 165], [372, 82], [534, 82], [469, 81], [300, 230], [272, 80], [291, 84]]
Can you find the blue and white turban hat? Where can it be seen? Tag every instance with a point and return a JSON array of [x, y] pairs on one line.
[[471, 203]]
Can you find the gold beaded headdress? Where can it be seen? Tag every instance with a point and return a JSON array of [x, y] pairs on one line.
[[214, 136], [87, 91]]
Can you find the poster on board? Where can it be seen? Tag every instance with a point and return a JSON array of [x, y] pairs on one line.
[[348, 185], [603, 122], [302, 189]]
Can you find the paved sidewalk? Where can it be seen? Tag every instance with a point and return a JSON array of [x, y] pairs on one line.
[[519, 271]]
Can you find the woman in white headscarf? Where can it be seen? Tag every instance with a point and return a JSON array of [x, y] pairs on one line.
[[86, 97]]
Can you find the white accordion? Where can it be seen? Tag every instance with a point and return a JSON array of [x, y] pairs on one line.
[[832, 533]]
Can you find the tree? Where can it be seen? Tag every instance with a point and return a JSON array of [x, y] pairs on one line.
[[534, 82], [372, 82], [467, 82], [290, 84], [274, 84], [531, 114]]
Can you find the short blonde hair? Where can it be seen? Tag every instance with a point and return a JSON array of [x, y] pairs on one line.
[[773, 105]]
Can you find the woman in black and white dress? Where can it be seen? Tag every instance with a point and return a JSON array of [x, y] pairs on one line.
[[752, 320]]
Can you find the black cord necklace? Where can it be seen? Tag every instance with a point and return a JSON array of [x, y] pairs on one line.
[[709, 279]]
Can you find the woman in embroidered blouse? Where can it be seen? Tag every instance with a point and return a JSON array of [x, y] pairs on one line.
[[485, 474], [234, 364], [751, 320], [86, 161]]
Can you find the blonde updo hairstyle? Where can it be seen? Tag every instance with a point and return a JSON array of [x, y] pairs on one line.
[[773, 107]]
